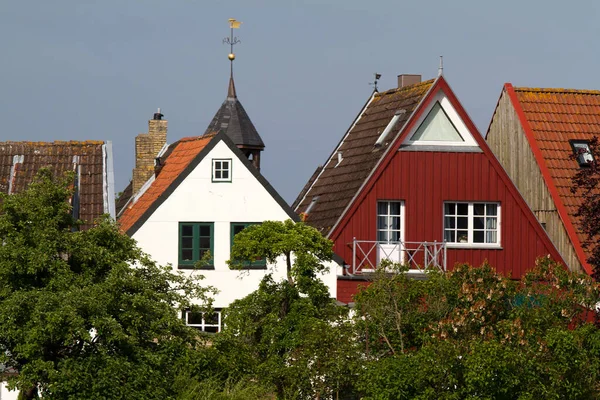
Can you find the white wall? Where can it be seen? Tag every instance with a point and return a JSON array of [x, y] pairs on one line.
[[197, 199], [6, 394]]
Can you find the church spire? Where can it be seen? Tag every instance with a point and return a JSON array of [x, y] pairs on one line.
[[231, 118], [231, 91]]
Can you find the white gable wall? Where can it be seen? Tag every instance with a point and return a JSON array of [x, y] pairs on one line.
[[198, 199]]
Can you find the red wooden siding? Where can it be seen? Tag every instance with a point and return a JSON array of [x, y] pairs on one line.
[[346, 289], [424, 181]]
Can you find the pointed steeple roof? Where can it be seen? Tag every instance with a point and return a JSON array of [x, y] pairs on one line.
[[232, 119]]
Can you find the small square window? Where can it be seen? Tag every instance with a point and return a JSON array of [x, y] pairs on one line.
[[221, 170], [582, 151]]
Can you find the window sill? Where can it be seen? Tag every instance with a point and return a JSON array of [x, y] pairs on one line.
[[473, 246], [204, 267], [250, 267]]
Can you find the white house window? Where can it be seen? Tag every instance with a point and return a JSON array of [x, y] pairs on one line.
[[221, 170], [389, 221], [582, 152], [472, 224], [204, 322]]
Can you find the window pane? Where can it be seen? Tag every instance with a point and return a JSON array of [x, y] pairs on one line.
[[218, 165], [204, 230], [204, 243], [381, 222], [211, 319], [462, 209], [491, 223], [187, 242], [479, 209], [211, 329], [478, 223], [478, 236], [449, 222], [462, 236], [187, 255], [394, 208], [491, 237], [382, 208], [382, 236], [463, 222], [194, 318], [237, 229], [187, 230], [449, 236], [395, 236], [225, 174], [450, 208], [217, 174], [492, 209], [395, 222]]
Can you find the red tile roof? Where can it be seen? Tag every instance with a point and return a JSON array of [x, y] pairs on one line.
[[553, 117], [59, 157], [179, 156]]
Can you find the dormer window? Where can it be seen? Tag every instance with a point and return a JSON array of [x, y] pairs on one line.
[[582, 152], [221, 170]]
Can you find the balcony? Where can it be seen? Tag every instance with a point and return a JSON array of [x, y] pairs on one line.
[[421, 257]]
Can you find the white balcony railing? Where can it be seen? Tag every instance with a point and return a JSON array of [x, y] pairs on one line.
[[419, 256]]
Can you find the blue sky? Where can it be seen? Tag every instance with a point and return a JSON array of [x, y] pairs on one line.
[[78, 70]]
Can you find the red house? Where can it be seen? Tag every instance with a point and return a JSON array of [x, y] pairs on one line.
[[414, 181]]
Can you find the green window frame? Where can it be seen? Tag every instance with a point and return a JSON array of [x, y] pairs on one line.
[[237, 227], [195, 239], [221, 169]]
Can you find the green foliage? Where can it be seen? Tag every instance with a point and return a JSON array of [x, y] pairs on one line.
[[473, 333], [303, 247], [77, 320], [288, 335], [216, 389]]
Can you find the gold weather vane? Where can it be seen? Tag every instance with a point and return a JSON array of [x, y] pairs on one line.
[[232, 40]]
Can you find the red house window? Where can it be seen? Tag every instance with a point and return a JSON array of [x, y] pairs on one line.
[[472, 224]]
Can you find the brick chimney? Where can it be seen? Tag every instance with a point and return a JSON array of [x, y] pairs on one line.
[[408, 79], [147, 147]]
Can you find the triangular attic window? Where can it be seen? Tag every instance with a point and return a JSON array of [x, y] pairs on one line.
[[437, 127]]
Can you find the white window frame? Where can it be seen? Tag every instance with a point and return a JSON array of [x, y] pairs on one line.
[[470, 229], [215, 169], [202, 326], [388, 215]]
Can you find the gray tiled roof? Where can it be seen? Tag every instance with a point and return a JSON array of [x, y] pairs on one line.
[[235, 122]]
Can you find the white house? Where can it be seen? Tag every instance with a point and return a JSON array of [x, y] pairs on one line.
[[205, 191]]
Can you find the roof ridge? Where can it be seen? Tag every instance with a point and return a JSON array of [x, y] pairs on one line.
[[408, 87], [557, 90], [56, 142], [199, 137]]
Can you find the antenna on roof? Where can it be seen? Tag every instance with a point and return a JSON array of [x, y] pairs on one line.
[[375, 81], [441, 67]]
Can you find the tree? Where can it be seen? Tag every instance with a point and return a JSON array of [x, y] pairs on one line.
[[288, 335], [473, 333], [304, 249], [586, 184], [85, 314]]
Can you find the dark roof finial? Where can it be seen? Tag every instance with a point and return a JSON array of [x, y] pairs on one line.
[[231, 91]]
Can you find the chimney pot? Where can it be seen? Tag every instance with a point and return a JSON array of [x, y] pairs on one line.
[[408, 79]]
